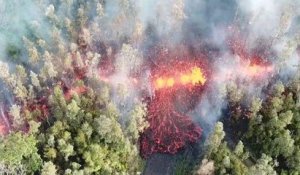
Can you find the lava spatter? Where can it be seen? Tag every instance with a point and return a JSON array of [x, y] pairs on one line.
[[170, 130]]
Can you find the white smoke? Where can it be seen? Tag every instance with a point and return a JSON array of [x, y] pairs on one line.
[[135, 28]]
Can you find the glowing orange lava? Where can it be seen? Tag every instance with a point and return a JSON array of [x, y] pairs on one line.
[[257, 70], [194, 76], [170, 129], [159, 83]]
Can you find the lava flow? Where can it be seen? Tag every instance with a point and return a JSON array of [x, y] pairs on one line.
[[253, 62], [257, 70], [192, 77], [169, 129]]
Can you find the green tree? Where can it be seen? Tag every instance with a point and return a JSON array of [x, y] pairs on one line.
[[48, 169], [264, 166], [215, 139], [89, 139], [20, 149], [268, 132], [240, 151], [225, 160], [137, 122]]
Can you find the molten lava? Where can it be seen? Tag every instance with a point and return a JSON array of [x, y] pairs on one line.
[[169, 129], [253, 60], [193, 77], [256, 70]]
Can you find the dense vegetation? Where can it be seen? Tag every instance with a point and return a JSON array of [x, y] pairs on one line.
[[270, 143], [81, 139], [64, 118]]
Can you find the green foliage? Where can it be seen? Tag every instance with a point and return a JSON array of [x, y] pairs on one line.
[[234, 93], [12, 169], [294, 161], [48, 169], [19, 149], [264, 166], [226, 161], [255, 106], [271, 132], [271, 142], [18, 121], [21, 73], [240, 151], [215, 139], [137, 123], [206, 168], [89, 137]]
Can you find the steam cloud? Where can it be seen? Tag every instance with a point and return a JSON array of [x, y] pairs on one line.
[[134, 29]]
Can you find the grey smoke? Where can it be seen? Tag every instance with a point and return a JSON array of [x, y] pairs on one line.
[[203, 27]]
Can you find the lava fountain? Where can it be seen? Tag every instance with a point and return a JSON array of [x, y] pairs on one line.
[[170, 130]]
